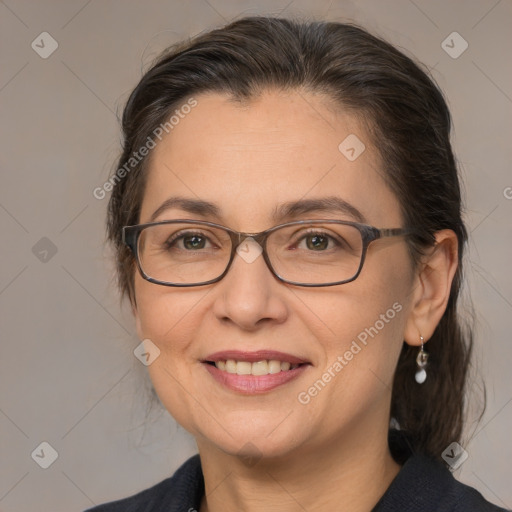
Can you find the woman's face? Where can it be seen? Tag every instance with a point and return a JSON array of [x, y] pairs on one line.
[[249, 159]]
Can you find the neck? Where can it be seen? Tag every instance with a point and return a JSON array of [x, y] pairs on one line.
[[340, 475]]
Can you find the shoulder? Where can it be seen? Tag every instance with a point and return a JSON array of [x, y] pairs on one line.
[[463, 498], [181, 492], [425, 484]]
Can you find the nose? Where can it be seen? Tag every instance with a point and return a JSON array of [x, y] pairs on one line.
[[250, 295]]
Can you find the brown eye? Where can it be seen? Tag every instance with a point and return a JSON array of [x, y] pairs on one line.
[[194, 242], [188, 241], [316, 242]]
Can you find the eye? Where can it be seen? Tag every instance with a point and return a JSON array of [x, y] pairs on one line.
[[188, 241], [318, 241], [315, 242]]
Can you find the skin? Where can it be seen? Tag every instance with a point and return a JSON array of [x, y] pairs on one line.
[[331, 453]]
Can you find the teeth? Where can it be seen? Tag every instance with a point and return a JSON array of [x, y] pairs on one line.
[[230, 366], [243, 368], [274, 366], [259, 368], [264, 367]]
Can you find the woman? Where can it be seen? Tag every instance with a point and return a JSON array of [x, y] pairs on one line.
[[287, 224]]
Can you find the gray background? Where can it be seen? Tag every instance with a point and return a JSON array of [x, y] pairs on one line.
[[68, 375]]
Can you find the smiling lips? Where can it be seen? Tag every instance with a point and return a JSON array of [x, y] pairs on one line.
[[254, 372]]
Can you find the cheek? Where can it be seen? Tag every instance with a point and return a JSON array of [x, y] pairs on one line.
[[376, 300], [364, 331], [165, 314], [355, 377], [170, 318], [362, 325]]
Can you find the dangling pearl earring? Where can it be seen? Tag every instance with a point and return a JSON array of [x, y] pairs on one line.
[[421, 361]]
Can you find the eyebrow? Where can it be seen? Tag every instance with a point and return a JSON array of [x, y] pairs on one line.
[[329, 204], [194, 206], [285, 211]]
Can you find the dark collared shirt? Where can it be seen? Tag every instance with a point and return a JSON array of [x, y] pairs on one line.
[[422, 485]]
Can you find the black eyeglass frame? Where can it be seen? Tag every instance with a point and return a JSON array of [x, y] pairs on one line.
[[131, 234]]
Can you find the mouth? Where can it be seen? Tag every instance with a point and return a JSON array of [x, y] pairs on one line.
[[254, 372]]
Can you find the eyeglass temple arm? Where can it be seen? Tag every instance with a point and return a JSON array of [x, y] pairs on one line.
[[386, 232]]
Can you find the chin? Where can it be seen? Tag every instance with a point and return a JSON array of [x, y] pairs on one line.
[[254, 441]]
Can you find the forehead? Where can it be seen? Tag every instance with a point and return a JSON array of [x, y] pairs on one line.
[[248, 157]]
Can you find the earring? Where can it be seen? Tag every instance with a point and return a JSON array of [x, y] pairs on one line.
[[421, 361]]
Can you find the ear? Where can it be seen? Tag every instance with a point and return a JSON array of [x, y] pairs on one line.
[[431, 287]]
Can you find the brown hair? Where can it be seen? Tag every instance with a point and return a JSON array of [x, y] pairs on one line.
[[410, 124]]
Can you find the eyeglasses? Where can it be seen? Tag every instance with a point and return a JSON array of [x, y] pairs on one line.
[[303, 253]]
